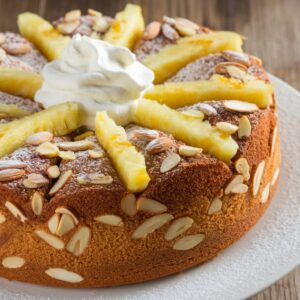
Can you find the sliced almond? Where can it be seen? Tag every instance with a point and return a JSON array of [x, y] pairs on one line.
[[64, 275], [152, 30], [128, 205], [101, 25], [15, 211], [53, 223], [240, 106], [2, 38], [226, 127], [237, 179], [62, 180], [66, 224], [50, 239], [169, 32], [112, 220], [53, 172], [185, 27], [73, 15], [39, 138], [79, 241], [274, 138], [168, 20], [67, 155], [170, 162], [237, 73], [94, 178], [13, 262], [265, 193], [17, 48], [150, 206], [2, 218], [37, 202], [207, 109], [257, 177], [178, 227], [237, 57], [93, 12], [159, 145], [231, 69], [66, 211], [11, 174], [189, 242], [187, 22], [145, 134], [240, 188], [95, 154], [12, 164], [242, 167], [275, 176], [68, 27], [2, 57], [47, 149], [81, 145], [185, 150], [151, 224], [215, 206], [83, 135], [194, 113], [244, 127], [34, 181]]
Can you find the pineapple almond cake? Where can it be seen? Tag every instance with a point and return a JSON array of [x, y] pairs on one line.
[[128, 153]]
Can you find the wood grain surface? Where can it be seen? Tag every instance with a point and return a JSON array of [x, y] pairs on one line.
[[272, 28]]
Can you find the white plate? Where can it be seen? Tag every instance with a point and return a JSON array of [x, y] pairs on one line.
[[269, 251]]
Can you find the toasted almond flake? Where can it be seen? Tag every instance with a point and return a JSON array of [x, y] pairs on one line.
[[145, 134], [66, 211], [67, 155], [257, 60], [93, 12], [2, 56], [73, 15], [94, 178], [170, 162], [236, 179], [81, 145], [47, 149], [2, 38], [50, 239], [244, 127], [13, 262], [12, 164], [185, 27], [53, 172], [193, 113], [275, 176], [83, 135], [64, 275], [79, 241], [215, 206], [2, 218], [242, 167], [128, 205], [62, 180], [11, 174], [257, 177], [265, 193], [112, 220], [37, 203], [150, 206], [53, 223], [187, 22], [185, 150], [226, 127], [236, 72], [17, 48], [152, 30], [240, 106], [39, 138], [240, 188], [169, 32], [95, 154], [68, 27], [159, 145], [237, 57], [34, 181], [274, 138], [151, 224], [15, 211], [178, 227], [66, 224], [224, 68], [101, 25], [207, 109], [168, 20], [188, 242]]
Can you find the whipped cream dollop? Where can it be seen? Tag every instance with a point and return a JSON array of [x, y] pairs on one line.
[[98, 76]]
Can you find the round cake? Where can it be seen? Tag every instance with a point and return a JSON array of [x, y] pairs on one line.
[[109, 201]]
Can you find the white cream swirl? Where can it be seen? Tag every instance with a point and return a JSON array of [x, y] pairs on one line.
[[96, 75]]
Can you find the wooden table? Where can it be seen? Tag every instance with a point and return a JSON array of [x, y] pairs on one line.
[[272, 28]]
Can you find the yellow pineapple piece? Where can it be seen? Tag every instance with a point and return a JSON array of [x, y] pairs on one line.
[[20, 83], [172, 58], [129, 163], [127, 28], [191, 131], [58, 119], [178, 94], [42, 34], [13, 111]]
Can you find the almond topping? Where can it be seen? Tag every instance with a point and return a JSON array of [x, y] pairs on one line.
[[112, 220], [239, 188], [265, 193], [83, 135], [185, 150], [152, 30], [170, 162], [189, 242], [2, 218], [65, 225], [168, 20], [34, 181], [226, 127], [178, 227], [93, 12], [242, 167], [169, 32], [94, 178], [17, 48], [257, 177], [95, 154], [128, 205], [62, 180], [150, 206], [11, 174], [76, 146], [68, 27], [15, 211], [231, 69], [53, 223], [151, 224], [66, 211], [2, 58], [73, 15], [48, 150], [275, 176], [274, 138], [240, 106], [12, 164], [39, 138], [236, 57], [79, 241], [215, 206], [185, 27], [37, 203], [207, 109], [194, 113], [237, 179], [67, 155], [244, 127], [50, 239], [13, 262], [145, 134], [100, 25], [64, 275], [53, 172], [2, 38], [159, 145]]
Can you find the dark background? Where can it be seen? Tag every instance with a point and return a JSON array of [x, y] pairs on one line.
[[272, 28]]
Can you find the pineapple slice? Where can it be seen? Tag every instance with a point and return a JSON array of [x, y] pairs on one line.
[[20, 83], [127, 28], [129, 163], [188, 129], [178, 94], [174, 57], [41, 33], [59, 119], [13, 111]]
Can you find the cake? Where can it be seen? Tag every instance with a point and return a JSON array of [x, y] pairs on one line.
[[192, 172]]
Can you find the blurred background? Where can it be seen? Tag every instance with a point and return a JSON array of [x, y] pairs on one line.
[[272, 29]]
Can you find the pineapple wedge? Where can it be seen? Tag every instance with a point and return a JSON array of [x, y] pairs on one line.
[[42, 34], [186, 128], [59, 119], [179, 94], [19, 83], [129, 163], [13, 111], [127, 28], [172, 58]]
